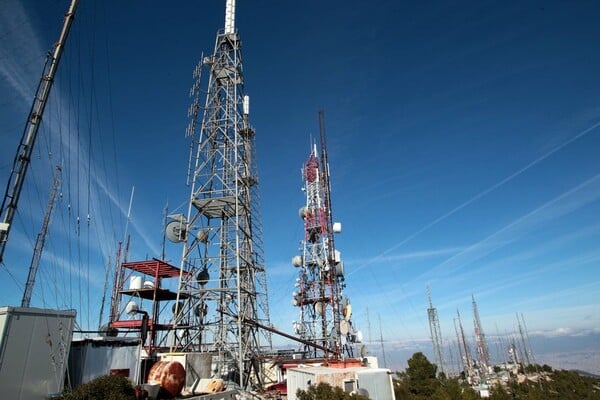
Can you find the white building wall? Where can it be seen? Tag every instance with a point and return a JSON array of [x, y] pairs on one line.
[[34, 346]]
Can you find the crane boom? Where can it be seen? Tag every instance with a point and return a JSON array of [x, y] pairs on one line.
[[23, 157]]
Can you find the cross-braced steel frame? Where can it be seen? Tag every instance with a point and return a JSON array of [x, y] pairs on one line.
[[321, 276], [226, 292]]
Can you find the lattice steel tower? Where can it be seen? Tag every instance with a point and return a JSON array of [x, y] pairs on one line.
[[482, 348], [463, 348], [324, 312], [436, 334], [222, 293]]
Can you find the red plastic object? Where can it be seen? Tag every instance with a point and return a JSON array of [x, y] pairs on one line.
[[170, 375]]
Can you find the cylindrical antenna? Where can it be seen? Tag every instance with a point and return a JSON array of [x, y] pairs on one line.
[[230, 17], [246, 105]]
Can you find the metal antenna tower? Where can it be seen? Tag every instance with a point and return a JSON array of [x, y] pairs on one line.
[[482, 349], [324, 311], [222, 295], [529, 348], [436, 333], [524, 343], [463, 348], [39, 242], [381, 342]]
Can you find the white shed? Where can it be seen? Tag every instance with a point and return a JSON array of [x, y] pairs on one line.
[[376, 381]]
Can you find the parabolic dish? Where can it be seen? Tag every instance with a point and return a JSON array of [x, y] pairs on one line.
[[175, 231], [344, 327]]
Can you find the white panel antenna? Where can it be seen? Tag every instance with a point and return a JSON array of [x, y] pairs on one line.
[[246, 105], [230, 17]]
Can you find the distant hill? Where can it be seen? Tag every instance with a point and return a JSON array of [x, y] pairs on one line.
[[587, 374]]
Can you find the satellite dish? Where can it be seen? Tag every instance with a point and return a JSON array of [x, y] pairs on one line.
[[175, 231], [177, 306], [344, 327], [359, 337], [132, 308], [297, 261], [337, 227], [347, 312], [345, 301], [203, 276], [302, 212], [298, 328], [319, 308], [201, 310], [202, 236], [339, 269]]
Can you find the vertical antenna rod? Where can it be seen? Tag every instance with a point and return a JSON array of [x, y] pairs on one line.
[[39, 243], [25, 149]]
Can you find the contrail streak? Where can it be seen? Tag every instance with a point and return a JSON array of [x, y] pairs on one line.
[[479, 195]]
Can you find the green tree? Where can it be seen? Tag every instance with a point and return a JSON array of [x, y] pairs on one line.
[[499, 393], [324, 391], [114, 387], [421, 375]]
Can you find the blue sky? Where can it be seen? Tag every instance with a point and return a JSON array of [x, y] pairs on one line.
[[462, 140]]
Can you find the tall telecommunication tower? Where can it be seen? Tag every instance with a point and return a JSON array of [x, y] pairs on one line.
[[463, 347], [324, 312], [482, 348], [222, 297], [436, 334], [39, 242], [526, 351]]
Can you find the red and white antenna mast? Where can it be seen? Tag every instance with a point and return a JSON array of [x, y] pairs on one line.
[[324, 311]]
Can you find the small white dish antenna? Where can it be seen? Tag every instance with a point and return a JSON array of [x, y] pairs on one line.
[[175, 231], [202, 236], [337, 227], [344, 327], [319, 308], [347, 312], [132, 308], [297, 261], [302, 212]]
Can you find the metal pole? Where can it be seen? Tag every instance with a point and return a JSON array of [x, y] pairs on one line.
[[39, 243]]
